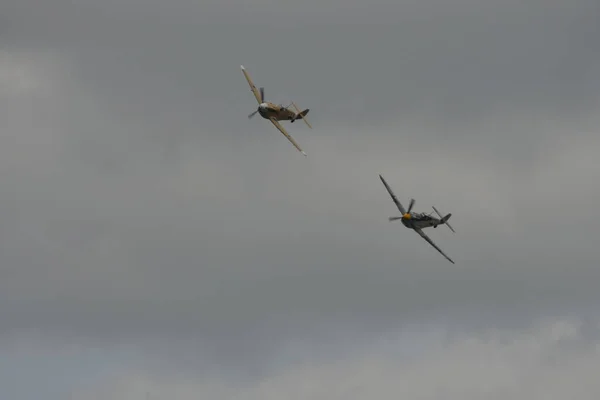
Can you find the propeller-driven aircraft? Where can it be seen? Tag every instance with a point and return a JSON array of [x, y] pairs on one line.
[[418, 221], [274, 112]]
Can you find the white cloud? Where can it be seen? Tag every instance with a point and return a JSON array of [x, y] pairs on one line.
[[552, 360]]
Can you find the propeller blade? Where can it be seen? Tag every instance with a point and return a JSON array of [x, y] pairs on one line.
[[394, 218], [410, 206], [252, 115], [262, 94]]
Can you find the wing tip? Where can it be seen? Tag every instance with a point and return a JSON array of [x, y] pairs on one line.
[[305, 155], [242, 67]]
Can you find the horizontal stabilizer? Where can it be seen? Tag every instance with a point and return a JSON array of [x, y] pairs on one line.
[[444, 220], [301, 114]]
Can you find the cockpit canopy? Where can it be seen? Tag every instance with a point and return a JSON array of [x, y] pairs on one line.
[[420, 216]]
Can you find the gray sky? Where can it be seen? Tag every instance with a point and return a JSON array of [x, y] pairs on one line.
[[155, 239]]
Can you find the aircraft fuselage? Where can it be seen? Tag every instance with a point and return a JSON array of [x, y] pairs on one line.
[[421, 223], [269, 110]]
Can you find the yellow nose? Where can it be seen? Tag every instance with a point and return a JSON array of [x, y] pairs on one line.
[[406, 216]]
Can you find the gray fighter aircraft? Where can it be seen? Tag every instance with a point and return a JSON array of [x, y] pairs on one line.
[[418, 221], [276, 113]]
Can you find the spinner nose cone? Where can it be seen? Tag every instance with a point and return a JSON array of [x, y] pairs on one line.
[[262, 106], [406, 216]]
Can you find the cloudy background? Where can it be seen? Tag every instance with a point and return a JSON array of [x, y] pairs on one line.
[[154, 240]]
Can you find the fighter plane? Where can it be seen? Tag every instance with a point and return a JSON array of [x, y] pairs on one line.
[[418, 221], [274, 112]]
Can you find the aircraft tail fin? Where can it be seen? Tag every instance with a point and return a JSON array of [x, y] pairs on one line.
[[301, 114], [444, 220]]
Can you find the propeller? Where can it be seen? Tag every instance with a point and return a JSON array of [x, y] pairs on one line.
[[406, 214], [262, 100], [410, 206]]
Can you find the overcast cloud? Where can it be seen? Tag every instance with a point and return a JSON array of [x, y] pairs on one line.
[[155, 239]]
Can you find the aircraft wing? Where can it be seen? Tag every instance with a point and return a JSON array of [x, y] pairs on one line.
[[252, 87], [424, 236], [402, 210], [287, 135]]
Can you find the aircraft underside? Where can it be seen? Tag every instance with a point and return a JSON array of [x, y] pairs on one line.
[[420, 224]]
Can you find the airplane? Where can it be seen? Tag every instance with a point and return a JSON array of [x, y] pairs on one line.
[[274, 112], [419, 221]]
